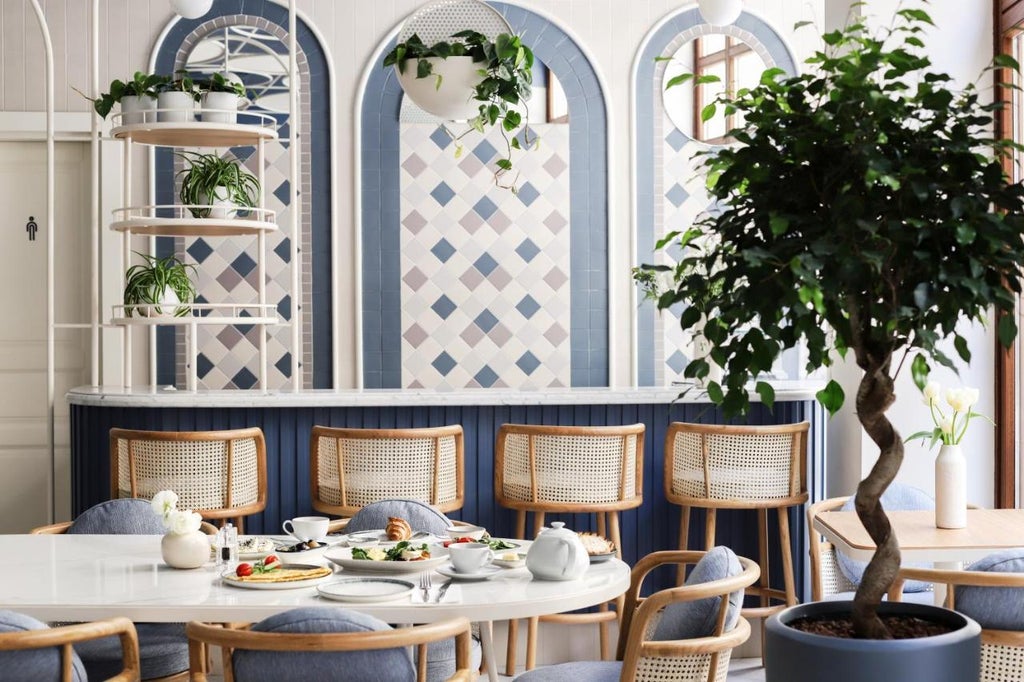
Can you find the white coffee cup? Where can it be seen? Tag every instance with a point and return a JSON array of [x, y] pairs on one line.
[[306, 527], [469, 557]]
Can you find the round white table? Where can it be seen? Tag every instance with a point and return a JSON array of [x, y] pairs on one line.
[[88, 577]]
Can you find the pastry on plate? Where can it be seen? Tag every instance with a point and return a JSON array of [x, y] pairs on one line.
[[398, 529], [596, 544]]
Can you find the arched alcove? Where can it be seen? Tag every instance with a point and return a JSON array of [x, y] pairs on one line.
[[225, 267], [465, 284]]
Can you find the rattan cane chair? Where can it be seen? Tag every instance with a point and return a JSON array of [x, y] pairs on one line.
[[572, 469], [320, 643], [219, 474], [350, 468], [716, 467], [1002, 648], [826, 578], [29, 650]]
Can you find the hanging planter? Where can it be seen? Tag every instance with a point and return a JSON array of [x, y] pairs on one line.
[[450, 91]]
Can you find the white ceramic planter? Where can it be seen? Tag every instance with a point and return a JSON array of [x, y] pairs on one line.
[[167, 306], [175, 107], [950, 488], [453, 100], [138, 109], [223, 208], [220, 107], [185, 550]]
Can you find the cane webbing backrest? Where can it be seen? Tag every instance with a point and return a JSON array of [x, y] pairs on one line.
[[219, 474], [719, 466], [350, 468], [562, 467]]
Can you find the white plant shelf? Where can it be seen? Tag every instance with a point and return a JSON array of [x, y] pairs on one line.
[[198, 133], [200, 314]]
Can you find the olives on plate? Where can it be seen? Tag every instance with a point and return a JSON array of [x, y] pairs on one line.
[[301, 546]]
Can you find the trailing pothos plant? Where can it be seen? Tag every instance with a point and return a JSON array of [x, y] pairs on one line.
[[218, 83], [146, 282], [864, 210], [141, 84], [506, 80]]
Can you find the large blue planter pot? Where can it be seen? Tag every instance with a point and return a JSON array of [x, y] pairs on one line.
[[795, 656]]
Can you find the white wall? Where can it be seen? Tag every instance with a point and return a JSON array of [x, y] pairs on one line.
[[960, 45]]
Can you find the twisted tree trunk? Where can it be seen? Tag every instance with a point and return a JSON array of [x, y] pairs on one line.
[[874, 396]]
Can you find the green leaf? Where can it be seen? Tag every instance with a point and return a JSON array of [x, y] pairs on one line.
[[919, 371], [778, 225], [1007, 330], [1005, 61], [504, 164], [715, 393], [831, 397], [960, 343], [708, 112], [678, 80], [767, 393]]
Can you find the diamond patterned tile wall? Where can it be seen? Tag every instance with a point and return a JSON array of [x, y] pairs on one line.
[[484, 272]]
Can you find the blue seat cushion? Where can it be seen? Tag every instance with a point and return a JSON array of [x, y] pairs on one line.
[[385, 665], [995, 608], [39, 665], [441, 659], [897, 497], [926, 598], [687, 620], [419, 515], [581, 671], [163, 651], [129, 516]]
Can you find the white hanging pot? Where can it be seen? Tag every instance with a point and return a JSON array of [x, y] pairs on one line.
[[137, 109], [185, 550], [720, 12], [950, 488], [175, 107], [452, 100], [220, 107]]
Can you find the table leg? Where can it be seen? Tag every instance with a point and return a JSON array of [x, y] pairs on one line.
[[487, 649]]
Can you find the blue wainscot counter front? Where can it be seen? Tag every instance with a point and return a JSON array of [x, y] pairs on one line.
[[287, 419]]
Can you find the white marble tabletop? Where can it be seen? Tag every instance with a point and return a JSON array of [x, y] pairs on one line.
[[87, 577], [113, 396]]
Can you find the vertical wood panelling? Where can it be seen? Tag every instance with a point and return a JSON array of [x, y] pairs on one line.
[[653, 526]]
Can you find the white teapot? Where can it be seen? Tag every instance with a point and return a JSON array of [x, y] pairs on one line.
[[557, 554]]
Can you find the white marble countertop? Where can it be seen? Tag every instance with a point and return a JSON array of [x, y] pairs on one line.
[[113, 396]]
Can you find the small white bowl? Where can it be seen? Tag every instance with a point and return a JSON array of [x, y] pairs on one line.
[[467, 531]]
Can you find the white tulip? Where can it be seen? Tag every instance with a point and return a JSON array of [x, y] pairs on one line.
[[956, 399], [931, 392], [971, 396], [164, 502]]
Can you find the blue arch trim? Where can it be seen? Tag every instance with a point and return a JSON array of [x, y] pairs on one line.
[[319, 134], [588, 192], [645, 146]]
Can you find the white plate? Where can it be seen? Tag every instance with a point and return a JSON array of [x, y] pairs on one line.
[[511, 563], [366, 590], [228, 579], [342, 556], [600, 558], [380, 537], [483, 574]]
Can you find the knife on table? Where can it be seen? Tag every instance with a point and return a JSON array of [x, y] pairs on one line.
[[441, 592]]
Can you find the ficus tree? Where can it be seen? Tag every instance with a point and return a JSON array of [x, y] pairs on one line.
[[864, 210]]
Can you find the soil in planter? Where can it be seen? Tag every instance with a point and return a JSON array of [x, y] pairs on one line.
[[901, 626]]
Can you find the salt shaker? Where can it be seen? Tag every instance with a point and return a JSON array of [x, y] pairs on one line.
[[227, 547]]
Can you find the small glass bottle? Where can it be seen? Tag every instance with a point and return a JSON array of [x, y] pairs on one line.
[[227, 547]]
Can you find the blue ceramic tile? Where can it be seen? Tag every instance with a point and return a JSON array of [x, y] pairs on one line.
[[528, 362]]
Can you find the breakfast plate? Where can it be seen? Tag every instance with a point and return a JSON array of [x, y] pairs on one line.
[[483, 573], [317, 575], [517, 562], [365, 590], [342, 556], [601, 558]]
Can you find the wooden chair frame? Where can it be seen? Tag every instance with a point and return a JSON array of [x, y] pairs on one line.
[[823, 553], [229, 639], [339, 434], [995, 665], [607, 516], [220, 514], [640, 614], [67, 635]]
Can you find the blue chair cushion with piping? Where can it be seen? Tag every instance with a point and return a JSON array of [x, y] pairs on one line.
[[163, 647], [581, 671], [163, 651], [687, 620], [386, 665], [441, 659], [38, 665], [926, 598], [129, 516], [419, 515], [995, 608], [897, 497]]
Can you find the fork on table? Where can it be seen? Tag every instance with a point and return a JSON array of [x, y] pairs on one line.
[[425, 585]]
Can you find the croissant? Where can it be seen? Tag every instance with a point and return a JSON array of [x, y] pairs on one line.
[[398, 529]]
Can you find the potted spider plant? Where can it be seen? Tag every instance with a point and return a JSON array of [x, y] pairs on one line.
[[176, 99], [159, 287], [137, 97], [221, 98], [471, 78], [864, 211], [215, 187]]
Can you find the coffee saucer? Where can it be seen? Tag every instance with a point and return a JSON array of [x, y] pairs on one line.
[[483, 574]]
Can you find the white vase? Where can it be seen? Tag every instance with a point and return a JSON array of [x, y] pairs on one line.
[[453, 99], [950, 488], [185, 550]]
